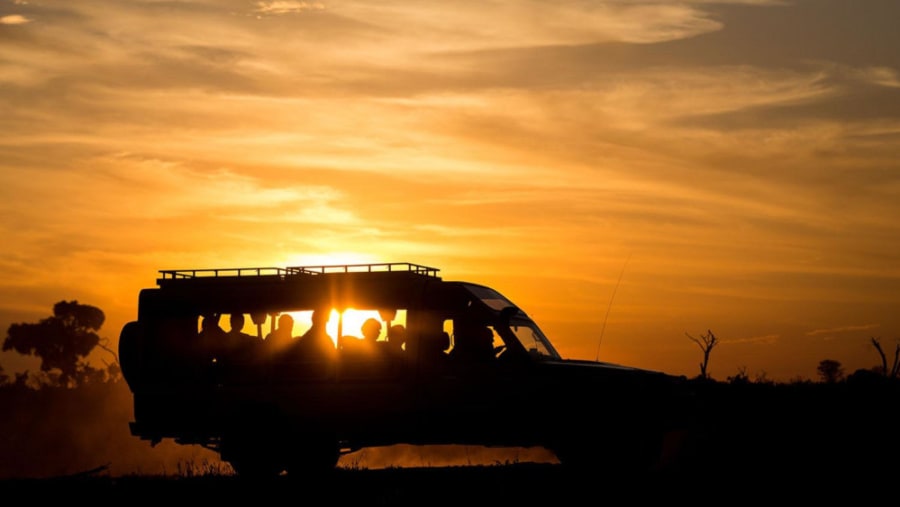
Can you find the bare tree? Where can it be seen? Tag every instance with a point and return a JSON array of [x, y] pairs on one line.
[[894, 372], [706, 342]]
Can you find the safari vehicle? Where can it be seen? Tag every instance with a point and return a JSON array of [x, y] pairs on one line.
[[473, 369]]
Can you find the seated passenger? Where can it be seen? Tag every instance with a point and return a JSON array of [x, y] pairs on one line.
[[371, 330], [210, 340], [473, 342], [396, 337], [281, 337], [433, 349], [241, 347], [316, 340]]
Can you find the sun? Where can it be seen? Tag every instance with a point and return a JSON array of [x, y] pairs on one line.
[[351, 322], [348, 323]]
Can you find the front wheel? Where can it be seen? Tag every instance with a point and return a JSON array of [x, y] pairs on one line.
[[621, 453]]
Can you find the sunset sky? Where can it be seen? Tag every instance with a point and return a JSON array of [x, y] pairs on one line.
[[627, 171]]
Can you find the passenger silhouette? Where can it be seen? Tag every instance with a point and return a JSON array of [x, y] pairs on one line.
[[239, 350], [241, 346], [282, 336], [209, 325], [210, 345], [432, 350], [472, 342], [316, 340], [396, 337], [371, 330], [211, 337]]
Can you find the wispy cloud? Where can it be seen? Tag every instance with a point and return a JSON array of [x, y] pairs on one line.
[[288, 7], [768, 339], [841, 330], [14, 19], [471, 24], [884, 76]]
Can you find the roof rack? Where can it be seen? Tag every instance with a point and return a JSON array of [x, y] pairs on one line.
[[392, 267], [367, 268]]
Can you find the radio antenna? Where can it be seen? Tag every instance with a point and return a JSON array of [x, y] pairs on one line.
[[606, 317]]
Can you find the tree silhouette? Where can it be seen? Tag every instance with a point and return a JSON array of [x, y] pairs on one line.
[[894, 372], [3, 376], [61, 341], [706, 342], [831, 371]]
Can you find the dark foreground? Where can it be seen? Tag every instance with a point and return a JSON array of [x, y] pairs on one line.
[[518, 484], [803, 444]]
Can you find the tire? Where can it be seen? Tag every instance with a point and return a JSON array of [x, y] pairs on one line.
[[259, 454], [130, 341], [251, 468], [621, 453], [313, 454], [249, 459], [254, 447]]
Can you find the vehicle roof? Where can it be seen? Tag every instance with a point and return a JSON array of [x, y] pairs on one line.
[[266, 287], [384, 272]]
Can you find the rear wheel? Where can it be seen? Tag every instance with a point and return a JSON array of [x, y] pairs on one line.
[[250, 458], [261, 457], [315, 453], [255, 445], [251, 468]]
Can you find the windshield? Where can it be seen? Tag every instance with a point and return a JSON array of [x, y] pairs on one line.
[[525, 330], [531, 337]]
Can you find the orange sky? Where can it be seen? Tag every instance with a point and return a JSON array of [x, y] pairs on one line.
[[736, 162]]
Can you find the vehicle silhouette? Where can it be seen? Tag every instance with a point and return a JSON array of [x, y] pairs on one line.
[[474, 369]]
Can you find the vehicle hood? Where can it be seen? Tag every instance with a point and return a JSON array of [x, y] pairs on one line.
[[589, 367]]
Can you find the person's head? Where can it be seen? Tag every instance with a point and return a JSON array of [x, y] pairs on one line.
[[320, 317], [285, 322], [371, 329], [396, 335], [237, 322], [209, 321]]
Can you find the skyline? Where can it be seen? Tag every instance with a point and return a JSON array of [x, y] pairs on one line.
[[627, 172]]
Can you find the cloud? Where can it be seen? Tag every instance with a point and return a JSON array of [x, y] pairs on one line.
[[764, 339], [841, 330], [170, 189], [287, 7], [884, 76], [14, 19], [471, 24]]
